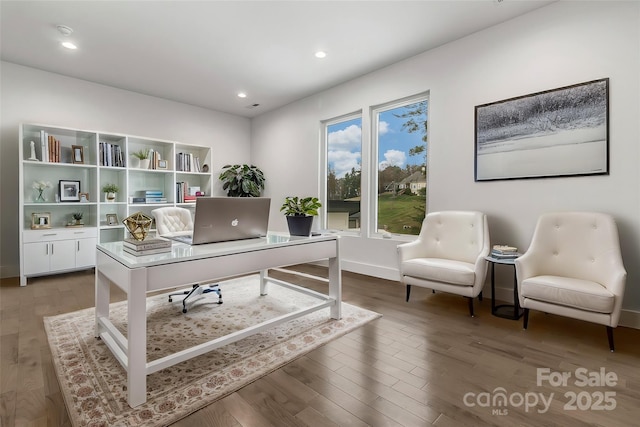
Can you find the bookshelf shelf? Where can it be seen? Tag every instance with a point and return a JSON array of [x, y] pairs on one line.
[[107, 158]]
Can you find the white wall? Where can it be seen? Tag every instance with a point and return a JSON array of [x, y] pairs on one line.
[[28, 95], [558, 45]]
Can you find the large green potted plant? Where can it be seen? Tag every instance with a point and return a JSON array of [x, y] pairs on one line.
[[242, 180], [300, 212]]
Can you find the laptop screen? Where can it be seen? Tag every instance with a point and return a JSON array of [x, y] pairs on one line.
[[220, 219]]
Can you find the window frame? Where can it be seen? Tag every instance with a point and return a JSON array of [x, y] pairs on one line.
[[374, 112], [324, 162]]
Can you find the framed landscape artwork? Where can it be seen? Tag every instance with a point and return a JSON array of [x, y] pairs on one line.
[[559, 132]]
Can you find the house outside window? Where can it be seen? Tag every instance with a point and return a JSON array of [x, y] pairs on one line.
[[343, 139], [400, 131]]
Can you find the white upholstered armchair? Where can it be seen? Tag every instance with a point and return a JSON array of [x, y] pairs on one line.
[[449, 254], [574, 268]]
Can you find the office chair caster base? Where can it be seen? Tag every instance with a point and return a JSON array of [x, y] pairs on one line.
[[197, 290]]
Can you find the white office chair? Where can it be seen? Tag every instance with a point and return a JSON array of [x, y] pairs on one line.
[[449, 254], [174, 221], [574, 268]]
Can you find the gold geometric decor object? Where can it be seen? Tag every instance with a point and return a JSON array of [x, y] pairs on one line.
[[138, 225]]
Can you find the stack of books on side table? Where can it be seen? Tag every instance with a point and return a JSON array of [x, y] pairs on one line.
[[504, 252], [147, 246]]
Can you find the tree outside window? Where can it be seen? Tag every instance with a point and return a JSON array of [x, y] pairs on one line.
[[402, 167], [344, 155]]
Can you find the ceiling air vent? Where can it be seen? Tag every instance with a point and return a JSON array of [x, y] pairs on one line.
[[252, 106]]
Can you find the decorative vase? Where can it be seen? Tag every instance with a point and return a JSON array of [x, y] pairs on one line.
[[40, 195], [299, 225], [110, 197], [144, 163]]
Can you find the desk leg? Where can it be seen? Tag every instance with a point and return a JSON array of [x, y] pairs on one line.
[[137, 337], [263, 282], [103, 290], [335, 285]]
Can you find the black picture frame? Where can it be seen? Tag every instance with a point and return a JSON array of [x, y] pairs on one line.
[[555, 133], [69, 190]]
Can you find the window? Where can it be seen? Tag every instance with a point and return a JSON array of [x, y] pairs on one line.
[[401, 140], [343, 139]]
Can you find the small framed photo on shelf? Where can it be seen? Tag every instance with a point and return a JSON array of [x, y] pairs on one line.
[[69, 190], [112, 219], [84, 197], [40, 220], [77, 154], [162, 164]]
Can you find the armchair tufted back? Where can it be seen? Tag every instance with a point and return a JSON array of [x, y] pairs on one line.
[[457, 235], [583, 245], [172, 220]]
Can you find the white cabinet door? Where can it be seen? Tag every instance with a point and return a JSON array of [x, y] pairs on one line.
[[36, 257], [63, 255], [86, 252]]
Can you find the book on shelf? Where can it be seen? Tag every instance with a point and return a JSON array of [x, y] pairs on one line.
[[187, 162], [111, 155], [49, 148], [146, 251], [151, 193], [147, 244]]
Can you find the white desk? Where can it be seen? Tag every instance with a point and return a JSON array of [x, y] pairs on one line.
[[186, 265]]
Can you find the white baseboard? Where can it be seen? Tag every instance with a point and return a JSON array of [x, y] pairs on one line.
[[628, 318], [7, 271], [371, 270]]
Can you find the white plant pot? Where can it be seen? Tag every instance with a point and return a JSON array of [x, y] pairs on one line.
[[110, 197], [144, 163]]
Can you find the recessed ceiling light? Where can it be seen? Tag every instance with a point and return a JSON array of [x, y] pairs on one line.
[[69, 45], [64, 30], [242, 95], [321, 54]]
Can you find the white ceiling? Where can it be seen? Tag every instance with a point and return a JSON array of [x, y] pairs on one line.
[[204, 52]]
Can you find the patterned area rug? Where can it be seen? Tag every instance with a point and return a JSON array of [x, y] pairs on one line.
[[94, 384]]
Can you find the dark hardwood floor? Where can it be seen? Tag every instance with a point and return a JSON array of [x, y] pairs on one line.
[[423, 363]]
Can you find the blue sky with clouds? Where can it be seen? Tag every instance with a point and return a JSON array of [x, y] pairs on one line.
[[345, 142]]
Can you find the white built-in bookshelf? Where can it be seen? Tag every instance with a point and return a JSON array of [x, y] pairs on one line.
[[77, 164]]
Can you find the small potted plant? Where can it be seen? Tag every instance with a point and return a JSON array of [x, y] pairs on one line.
[[242, 180], [143, 156], [110, 191], [300, 212], [77, 218]]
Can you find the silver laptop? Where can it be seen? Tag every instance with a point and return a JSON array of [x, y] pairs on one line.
[[221, 219]]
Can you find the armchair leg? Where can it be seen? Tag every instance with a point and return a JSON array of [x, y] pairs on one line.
[[480, 296], [526, 318], [471, 306], [610, 337], [408, 292]]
